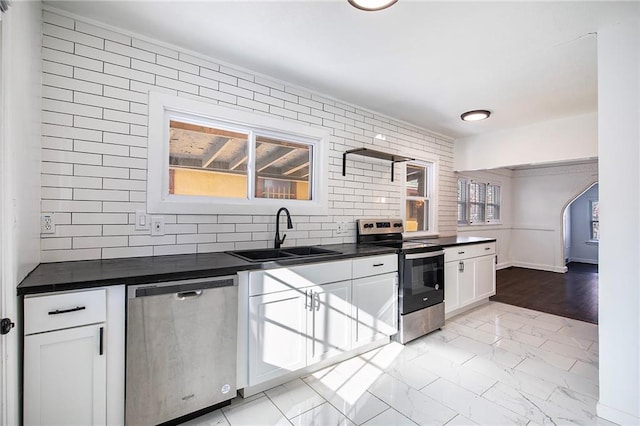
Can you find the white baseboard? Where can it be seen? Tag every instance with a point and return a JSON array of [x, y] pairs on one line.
[[579, 260], [615, 415], [503, 265], [541, 267]]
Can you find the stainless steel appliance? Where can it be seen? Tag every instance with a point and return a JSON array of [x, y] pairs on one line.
[[181, 349], [421, 273]]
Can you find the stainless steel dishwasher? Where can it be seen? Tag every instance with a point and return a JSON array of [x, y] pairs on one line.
[[181, 349]]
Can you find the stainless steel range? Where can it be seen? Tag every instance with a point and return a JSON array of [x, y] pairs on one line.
[[421, 270]]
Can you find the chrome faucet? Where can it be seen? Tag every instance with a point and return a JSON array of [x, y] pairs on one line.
[[278, 242]]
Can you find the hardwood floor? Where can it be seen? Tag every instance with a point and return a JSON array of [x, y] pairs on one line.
[[572, 295]]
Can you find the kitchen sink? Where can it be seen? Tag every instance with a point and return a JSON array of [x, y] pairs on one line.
[[262, 255]]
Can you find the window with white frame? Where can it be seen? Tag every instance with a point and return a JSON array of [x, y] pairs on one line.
[[478, 202], [419, 197], [211, 159], [594, 222]]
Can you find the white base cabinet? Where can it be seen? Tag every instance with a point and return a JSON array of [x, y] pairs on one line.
[[72, 339], [470, 276], [302, 315]]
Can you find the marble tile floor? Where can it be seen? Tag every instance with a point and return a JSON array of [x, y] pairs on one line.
[[495, 365]]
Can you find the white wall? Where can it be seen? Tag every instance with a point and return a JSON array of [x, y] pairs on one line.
[[94, 147], [501, 232], [562, 140], [581, 248], [619, 270], [19, 174], [539, 196]]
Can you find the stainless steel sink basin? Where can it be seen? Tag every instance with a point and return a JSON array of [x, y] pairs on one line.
[[262, 255]]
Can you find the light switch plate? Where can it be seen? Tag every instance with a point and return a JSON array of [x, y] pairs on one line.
[[142, 221], [157, 225]]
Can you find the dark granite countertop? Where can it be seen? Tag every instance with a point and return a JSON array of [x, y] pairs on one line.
[[61, 276], [457, 240]]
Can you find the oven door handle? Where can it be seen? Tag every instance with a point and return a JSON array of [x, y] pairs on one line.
[[423, 255]]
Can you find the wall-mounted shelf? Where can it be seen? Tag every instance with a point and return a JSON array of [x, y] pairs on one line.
[[366, 152]]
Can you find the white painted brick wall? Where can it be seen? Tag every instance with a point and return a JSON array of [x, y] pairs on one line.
[[95, 88]]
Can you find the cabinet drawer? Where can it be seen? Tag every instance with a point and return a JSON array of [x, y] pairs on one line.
[[64, 310], [374, 265], [469, 251], [281, 279]]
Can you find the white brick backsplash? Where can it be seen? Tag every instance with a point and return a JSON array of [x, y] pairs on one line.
[[128, 51], [71, 108], [70, 157], [124, 184], [69, 255], [105, 125], [149, 240], [94, 148], [57, 68], [55, 243], [71, 59], [76, 37], [56, 168], [57, 118], [126, 252], [55, 19], [100, 195], [129, 74], [100, 171], [154, 48], [100, 78], [102, 33], [50, 193], [71, 84], [102, 55], [49, 92], [94, 242]]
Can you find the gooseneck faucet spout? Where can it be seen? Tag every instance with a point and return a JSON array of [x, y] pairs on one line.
[[278, 242]]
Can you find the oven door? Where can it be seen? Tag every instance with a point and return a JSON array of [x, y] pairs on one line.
[[422, 281]]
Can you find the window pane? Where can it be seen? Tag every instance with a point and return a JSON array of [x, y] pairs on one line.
[[462, 202], [595, 220], [477, 198], [416, 180], [282, 169], [493, 202], [207, 161], [417, 218]]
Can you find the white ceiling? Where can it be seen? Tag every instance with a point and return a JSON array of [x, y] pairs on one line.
[[424, 62]]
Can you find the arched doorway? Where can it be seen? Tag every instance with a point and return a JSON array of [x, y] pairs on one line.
[[580, 227]]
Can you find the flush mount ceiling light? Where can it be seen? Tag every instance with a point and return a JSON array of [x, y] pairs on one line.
[[371, 5], [475, 115]]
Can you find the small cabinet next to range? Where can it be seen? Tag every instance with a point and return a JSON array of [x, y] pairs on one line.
[[470, 276]]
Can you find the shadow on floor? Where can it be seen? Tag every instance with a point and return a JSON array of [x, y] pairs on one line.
[[572, 295]]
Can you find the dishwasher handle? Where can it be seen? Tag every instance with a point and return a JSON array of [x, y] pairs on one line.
[[183, 289]]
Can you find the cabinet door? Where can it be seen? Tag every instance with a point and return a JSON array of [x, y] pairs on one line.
[[277, 334], [466, 281], [485, 280], [451, 286], [375, 308], [330, 321], [65, 377]]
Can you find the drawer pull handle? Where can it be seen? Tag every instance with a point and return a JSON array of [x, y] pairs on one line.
[[188, 294], [66, 311], [378, 264], [487, 248], [460, 252], [101, 340]]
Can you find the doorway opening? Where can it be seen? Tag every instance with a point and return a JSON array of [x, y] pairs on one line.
[[581, 228]]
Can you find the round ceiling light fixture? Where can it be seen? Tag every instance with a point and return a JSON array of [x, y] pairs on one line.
[[371, 5], [476, 115]]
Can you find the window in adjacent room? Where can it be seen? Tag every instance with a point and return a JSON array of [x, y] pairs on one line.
[[418, 197], [478, 202], [594, 210]]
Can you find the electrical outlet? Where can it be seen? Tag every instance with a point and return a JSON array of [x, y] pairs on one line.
[[157, 225], [342, 228], [47, 223], [142, 221]]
